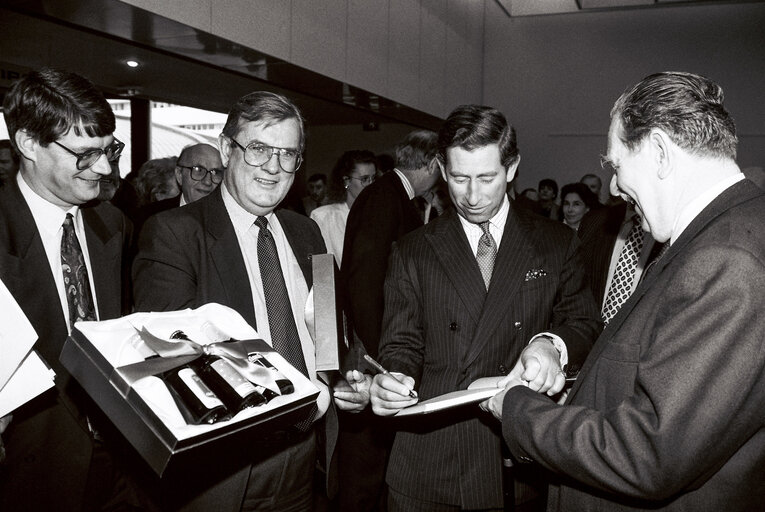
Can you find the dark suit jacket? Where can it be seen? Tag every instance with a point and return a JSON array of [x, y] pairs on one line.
[[190, 256], [598, 231], [48, 445], [442, 328], [380, 215], [667, 411]]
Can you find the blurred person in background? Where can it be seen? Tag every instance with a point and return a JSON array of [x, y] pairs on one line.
[[317, 193], [156, 181], [576, 200], [548, 193], [353, 172], [9, 161]]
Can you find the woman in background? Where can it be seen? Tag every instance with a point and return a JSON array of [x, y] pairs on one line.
[[352, 173], [577, 199]]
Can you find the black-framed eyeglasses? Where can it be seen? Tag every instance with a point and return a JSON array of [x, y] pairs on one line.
[[257, 154], [365, 180], [86, 159], [198, 173]]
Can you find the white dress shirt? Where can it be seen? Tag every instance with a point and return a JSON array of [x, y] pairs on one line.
[[297, 288], [49, 219], [332, 219]]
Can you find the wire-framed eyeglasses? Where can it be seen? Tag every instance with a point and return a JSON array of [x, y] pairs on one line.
[[86, 159], [257, 154], [198, 173], [365, 180]]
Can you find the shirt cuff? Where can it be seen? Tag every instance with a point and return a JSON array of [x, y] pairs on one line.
[[557, 342]]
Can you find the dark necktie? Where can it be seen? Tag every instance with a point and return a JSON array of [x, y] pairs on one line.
[[284, 334], [486, 254], [624, 275], [76, 281]]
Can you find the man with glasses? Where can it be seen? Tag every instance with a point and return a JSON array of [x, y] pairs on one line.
[[231, 247], [62, 257], [199, 171]]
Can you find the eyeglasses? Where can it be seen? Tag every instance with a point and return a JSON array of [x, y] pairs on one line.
[[257, 154], [198, 173], [86, 159], [365, 180]]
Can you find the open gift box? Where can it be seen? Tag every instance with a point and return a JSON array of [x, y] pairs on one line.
[[108, 360]]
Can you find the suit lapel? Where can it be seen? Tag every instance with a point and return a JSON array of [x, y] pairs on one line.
[[733, 196], [226, 255], [453, 252], [513, 259], [300, 247], [105, 251]]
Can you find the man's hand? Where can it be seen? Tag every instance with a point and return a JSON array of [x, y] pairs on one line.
[[389, 394], [352, 394], [539, 365], [494, 404]]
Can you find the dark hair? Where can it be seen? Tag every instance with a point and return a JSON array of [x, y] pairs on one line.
[[319, 176], [385, 163], [688, 107], [416, 150], [475, 126], [6, 144], [49, 102], [263, 106], [547, 182], [583, 191], [581, 180], [344, 167]]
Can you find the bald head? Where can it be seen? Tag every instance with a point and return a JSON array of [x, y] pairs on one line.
[[193, 171]]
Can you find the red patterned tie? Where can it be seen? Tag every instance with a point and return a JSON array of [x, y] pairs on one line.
[[76, 281]]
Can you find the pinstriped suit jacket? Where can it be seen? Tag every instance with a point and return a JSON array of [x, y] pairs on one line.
[[442, 328]]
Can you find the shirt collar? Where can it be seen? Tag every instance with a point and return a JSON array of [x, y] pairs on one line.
[[496, 223], [694, 208], [48, 216], [407, 184], [240, 218]]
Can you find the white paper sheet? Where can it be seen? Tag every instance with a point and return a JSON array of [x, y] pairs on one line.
[[17, 336], [31, 379]]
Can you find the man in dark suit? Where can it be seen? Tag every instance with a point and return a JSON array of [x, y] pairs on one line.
[[216, 249], [58, 449], [453, 315], [667, 411], [381, 214]]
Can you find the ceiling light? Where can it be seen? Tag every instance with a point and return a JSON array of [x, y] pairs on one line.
[[132, 63]]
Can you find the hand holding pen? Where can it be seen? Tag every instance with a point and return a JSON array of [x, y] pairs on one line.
[[377, 366], [390, 392]]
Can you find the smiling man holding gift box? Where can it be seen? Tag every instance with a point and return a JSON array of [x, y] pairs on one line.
[[232, 248]]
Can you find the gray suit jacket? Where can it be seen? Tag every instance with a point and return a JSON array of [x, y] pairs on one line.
[[667, 411], [443, 328]]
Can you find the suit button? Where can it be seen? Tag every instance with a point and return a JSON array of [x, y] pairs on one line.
[[503, 369], [517, 325], [453, 326]]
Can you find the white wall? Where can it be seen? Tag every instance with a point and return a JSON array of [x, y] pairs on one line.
[[556, 77], [426, 54]]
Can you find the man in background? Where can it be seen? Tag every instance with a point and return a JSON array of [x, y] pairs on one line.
[[666, 413], [9, 162], [381, 214], [317, 193], [465, 297]]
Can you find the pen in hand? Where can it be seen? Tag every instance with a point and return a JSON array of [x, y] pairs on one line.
[[377, 366]]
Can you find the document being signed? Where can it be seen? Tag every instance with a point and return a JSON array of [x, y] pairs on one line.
[[478, 391]]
